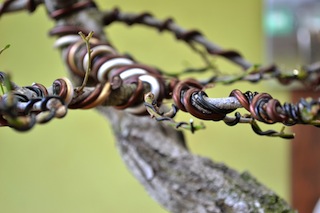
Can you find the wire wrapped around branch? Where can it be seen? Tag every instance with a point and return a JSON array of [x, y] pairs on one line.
[[22, 107], [180, 33], [16, 5], [109, 66], [189, 96], [309, 75], [112, 73], [269, 110]]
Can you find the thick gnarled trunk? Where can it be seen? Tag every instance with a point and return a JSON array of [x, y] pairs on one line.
[[181, 181]]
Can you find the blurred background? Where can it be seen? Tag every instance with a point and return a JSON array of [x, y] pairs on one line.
[[72, 165]]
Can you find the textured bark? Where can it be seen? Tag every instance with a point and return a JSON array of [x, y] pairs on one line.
[[157, 156], [181, 181]]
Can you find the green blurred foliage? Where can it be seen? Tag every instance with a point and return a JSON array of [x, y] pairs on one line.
[[72, 165]]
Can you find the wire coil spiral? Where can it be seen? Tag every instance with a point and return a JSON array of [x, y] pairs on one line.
[[23, 107], [108, 65], [110, 72]]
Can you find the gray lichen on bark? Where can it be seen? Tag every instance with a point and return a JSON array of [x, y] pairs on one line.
[[158, 157]]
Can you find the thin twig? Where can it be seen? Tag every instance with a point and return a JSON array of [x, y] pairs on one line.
[[86, 39]]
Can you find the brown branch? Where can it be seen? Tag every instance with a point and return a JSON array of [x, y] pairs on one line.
[[186, 35]]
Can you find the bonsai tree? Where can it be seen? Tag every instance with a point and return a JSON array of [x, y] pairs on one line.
[[134, 97]]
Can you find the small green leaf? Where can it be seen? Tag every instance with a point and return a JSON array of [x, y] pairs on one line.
[[3, 49]]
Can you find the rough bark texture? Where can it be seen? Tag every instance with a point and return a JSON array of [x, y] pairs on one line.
[[158, 158], [181, 181]]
